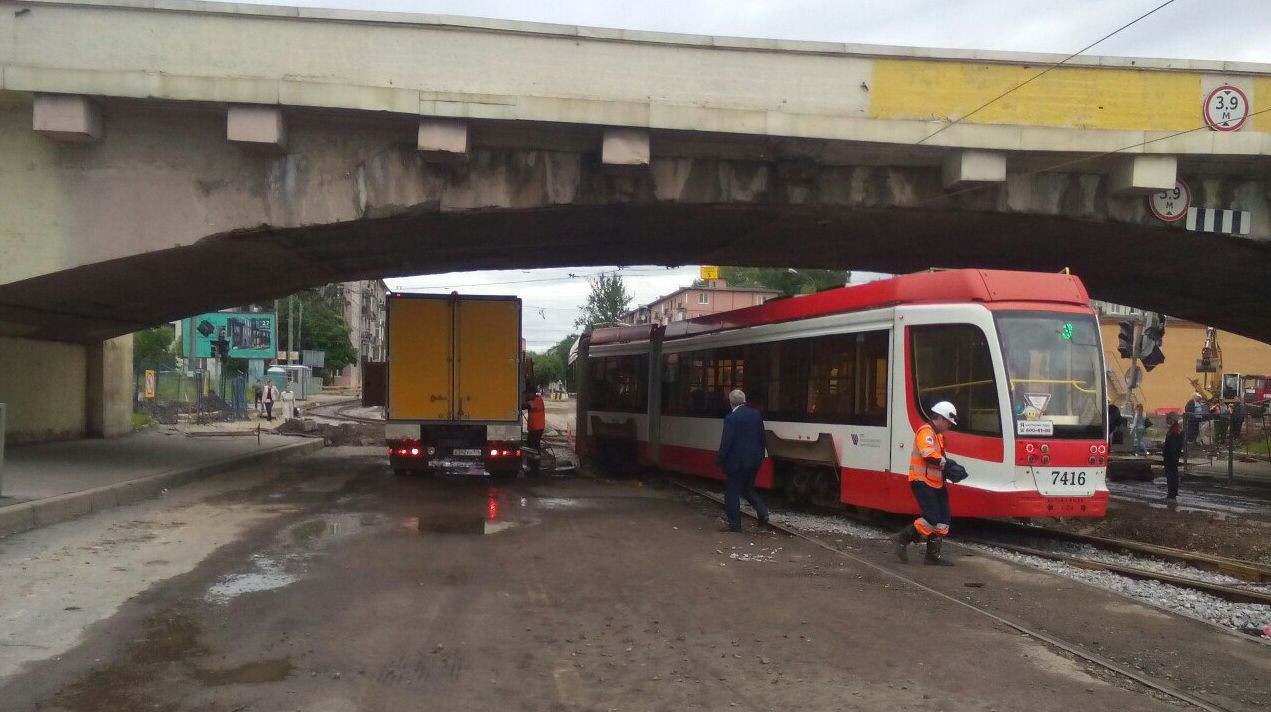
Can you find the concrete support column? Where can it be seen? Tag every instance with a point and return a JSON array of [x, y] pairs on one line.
[[625, 149], [962, 168], [110, 386], [443, 141], [1140, 175], [256, 125], [67, 117]]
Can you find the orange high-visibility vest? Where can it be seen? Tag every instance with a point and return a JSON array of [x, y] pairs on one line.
[[927, 443], [537, 420]]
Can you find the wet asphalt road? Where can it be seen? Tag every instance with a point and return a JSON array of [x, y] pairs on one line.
[[414, 593]]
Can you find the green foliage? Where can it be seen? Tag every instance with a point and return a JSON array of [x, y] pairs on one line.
[[548, 368], [561, 351], [153, 349], [787, 281], [607, 302], [323, 327]]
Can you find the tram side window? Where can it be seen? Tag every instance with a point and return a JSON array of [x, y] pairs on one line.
[[840, 378], [618, 383], [952, 362]]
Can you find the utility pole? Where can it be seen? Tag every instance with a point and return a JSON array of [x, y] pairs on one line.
[[1136, 373], [300, 326], [291, 322]]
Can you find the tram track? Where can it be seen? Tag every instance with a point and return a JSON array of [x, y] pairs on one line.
[[1160, 686], [338, 410]]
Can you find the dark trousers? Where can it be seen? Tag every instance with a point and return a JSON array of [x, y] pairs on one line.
[[738, 486], [933, 502], [534, 439], [269, 410], [1171, 479]]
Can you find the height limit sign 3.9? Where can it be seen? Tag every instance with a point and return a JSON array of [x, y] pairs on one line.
[[1171, 205], [1226, 108]]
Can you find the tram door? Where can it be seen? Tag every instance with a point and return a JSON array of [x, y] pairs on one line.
[[901, 429]]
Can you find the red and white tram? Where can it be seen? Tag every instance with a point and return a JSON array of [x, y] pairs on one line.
[[843, 378]]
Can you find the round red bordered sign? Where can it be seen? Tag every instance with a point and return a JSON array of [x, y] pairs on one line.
[[1226, 108], [1171, 205]]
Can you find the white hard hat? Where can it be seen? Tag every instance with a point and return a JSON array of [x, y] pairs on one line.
[[946, 410]]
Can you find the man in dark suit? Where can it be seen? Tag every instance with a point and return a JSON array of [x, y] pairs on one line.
[[741, 451]]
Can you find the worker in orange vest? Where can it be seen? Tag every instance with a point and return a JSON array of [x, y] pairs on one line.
[[926, 479], [536, 423]]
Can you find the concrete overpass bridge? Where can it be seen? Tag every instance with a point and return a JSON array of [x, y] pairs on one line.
[[166, 158]]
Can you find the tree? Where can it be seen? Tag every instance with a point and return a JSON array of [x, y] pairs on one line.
[[607, 302], [788, 281], [152, 349], [548, 368], [561, 352], [322, 329]]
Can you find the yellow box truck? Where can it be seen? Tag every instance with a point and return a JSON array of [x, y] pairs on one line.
[[454, 383]]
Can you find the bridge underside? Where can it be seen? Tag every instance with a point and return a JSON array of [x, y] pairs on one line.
[[1142, 266]]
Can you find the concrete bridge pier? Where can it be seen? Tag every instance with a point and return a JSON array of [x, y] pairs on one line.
[[58, 391]]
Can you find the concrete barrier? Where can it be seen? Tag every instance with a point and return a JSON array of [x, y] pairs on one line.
[[51, 510]]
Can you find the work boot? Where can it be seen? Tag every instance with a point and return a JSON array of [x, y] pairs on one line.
[[933, 552], [901, 541]]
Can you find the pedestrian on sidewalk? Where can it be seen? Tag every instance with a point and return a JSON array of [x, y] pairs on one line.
[[1238, 413], [289, 410], [927, 464], [271, 394], [1172, 453], [257, 387], [741, 452], [1141, 424]]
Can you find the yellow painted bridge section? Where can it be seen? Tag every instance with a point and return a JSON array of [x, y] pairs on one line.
[[1076, 97]]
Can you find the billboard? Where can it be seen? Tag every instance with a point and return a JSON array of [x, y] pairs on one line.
[[250, 335]]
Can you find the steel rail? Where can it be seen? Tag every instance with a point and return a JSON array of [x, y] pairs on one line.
[[1251, 571], [1074, 649]]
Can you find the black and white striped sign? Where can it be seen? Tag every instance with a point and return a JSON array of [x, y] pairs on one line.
[[1224, 222]]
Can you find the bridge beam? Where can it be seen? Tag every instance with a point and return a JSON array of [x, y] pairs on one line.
[[962, 168], [443, 141], [66, 117], [625, 149], [1140, 175], [258, 125]]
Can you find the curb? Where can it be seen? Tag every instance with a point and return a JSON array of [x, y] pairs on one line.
[[23, 517]]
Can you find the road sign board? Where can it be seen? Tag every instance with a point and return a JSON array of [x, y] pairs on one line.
[[1223, 222], [1171, 205], [1038, 400], [710, 272], [1226, 108]]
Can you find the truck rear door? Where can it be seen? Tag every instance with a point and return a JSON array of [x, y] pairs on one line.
[[420, 347], [488, 345]]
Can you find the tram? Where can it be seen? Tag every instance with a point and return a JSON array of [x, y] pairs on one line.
[[844, 378]]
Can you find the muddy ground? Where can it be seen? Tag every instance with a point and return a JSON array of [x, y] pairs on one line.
[[343, 587]]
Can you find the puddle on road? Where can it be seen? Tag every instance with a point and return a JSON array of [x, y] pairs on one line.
[[270, 574], [255, 673], [284, 563]]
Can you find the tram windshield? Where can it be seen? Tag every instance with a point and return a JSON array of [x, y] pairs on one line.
[[1054, 366]]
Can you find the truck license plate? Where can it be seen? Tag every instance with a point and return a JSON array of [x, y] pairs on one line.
[[467, 452]]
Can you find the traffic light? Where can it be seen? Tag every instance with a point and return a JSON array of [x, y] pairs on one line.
[[1125, 340], [1153, 336]]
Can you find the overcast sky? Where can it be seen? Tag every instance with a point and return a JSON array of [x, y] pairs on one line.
[[1236, 30], [1193, 29]]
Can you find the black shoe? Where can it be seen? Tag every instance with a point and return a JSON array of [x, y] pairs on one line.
[[727, 528], [763, 521], [933, 558], [901, 541]]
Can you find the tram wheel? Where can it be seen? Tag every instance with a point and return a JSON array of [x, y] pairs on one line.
[[799, 486]]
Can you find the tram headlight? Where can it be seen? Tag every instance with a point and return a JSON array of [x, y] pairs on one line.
[[1029, 448]]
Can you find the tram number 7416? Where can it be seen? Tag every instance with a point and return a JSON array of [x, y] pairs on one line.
[[1067, 478]]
